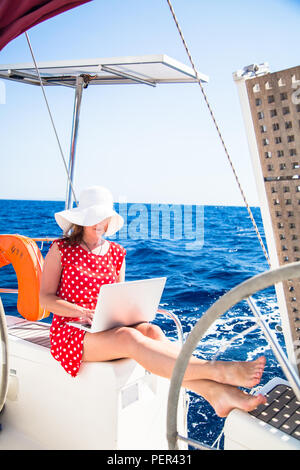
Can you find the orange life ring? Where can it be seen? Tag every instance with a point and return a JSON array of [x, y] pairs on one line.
[[27, 260]]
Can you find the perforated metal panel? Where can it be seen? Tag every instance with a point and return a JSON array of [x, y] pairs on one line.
[[275, 109]]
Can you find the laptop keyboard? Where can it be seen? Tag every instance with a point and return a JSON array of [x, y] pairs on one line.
[[282, 410]]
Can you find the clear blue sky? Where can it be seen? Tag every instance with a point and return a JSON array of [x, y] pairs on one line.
[[147, 145]]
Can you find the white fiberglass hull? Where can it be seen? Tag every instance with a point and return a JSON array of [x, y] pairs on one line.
[[109, 405]]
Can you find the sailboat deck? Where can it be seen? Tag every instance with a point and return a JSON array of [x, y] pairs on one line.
[[34, 332], [282, 410]]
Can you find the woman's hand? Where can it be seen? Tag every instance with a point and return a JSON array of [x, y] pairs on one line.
[[86, 316]]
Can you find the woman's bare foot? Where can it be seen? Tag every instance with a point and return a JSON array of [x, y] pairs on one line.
[[224, 398], [241, 374]]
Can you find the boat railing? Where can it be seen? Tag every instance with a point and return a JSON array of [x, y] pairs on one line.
[[185, 396], [176, 321]]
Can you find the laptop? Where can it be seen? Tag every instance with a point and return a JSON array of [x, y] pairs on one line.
[[125, 304]]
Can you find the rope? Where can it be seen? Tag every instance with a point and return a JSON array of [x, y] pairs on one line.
[[51, 118], [219, 133]]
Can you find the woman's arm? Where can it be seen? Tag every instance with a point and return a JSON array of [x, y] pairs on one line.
[[49, 284]]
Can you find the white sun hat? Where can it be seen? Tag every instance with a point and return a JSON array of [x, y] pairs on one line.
[[95, 205]]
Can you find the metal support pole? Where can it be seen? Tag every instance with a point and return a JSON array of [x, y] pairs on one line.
[[288, 370], [75, 125]]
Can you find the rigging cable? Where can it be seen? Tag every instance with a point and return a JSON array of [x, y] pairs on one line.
[[219, 133], [51, 118]]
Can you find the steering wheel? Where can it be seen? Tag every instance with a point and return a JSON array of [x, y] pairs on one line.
[[227, 301]]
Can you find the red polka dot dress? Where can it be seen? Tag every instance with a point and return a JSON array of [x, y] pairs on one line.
[[83, 274]]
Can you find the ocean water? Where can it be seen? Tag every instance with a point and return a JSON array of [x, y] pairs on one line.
[[203, 252]]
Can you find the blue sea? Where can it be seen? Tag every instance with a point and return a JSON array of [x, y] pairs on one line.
[[204, 251]]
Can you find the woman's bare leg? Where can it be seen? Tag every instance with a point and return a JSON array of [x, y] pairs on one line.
[[224, 398], [159, 357]]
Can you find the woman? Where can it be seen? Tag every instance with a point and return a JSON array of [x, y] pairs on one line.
[[75, 268]]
